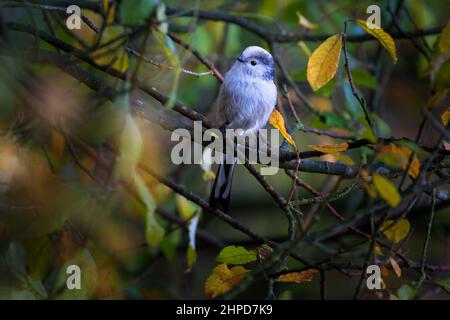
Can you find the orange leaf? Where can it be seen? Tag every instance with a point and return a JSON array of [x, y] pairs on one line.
[[276, 120], [331, 148], [298, 277], [414, 168]]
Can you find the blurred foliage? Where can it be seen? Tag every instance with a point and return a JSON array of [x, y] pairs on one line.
[[73, 190]]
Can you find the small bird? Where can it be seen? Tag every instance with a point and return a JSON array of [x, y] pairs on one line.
[[246, 100]]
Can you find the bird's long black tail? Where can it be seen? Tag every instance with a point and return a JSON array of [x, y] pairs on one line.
[[221, 190]]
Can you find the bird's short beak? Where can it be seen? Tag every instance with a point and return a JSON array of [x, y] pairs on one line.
[[240, 59]]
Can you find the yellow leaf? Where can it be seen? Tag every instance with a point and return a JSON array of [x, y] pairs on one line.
[[121, 63], [444, 40], [324, 61], [395, 231], [191, 257], [305, 22], [111, 13], [276, 120], [331, 148], [386, 190], [396, 267], [385, 39], [222, 279], [298, 277], [445, 116], [186, 208]]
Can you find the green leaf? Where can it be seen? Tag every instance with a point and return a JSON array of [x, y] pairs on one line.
[[170, 243], [406, 292], [236, 255], [334, 120], [384, 130], [133, 12], [327, 90], [362, 78]]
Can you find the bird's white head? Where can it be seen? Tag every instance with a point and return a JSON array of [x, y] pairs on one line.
[[256, 62]]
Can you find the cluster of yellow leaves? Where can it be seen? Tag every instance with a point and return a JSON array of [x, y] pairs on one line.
[[297, 277], [111, 49], [324, 61], [398, 157], [396, 231], [385, 39], [277, 120], [223, 279]]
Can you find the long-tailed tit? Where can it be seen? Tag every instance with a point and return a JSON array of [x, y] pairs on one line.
[[247, 97]]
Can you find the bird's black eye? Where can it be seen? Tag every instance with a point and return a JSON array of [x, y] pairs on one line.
[[253, 62]]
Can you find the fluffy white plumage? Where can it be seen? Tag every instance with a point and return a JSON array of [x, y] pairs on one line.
[[248, 94]]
